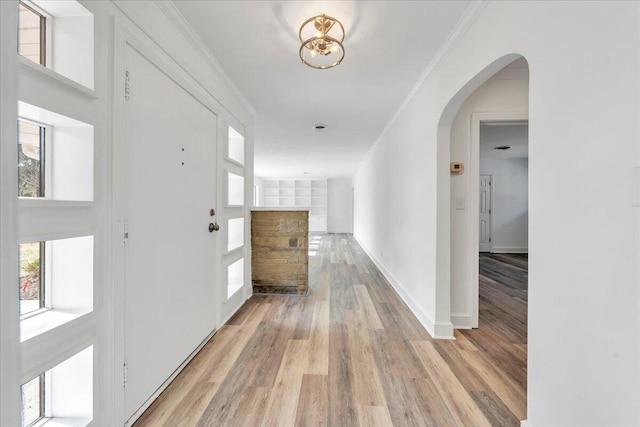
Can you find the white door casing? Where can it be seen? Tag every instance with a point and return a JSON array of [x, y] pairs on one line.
[[485, 203], [170, 255]]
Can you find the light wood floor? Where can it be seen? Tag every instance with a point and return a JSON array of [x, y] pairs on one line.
[[352, 354]]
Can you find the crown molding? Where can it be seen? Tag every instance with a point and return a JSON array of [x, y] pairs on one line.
[[180, 22], [468, 18]]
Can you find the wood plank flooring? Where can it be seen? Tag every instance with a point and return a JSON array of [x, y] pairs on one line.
[[351, 354]]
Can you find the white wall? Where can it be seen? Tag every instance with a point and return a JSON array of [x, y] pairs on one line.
[[503, 93], [72, 163], [584, 327], [71, 383], [339, 205], [509, 186]]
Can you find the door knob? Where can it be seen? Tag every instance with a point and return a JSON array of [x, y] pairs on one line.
[[213, 227]]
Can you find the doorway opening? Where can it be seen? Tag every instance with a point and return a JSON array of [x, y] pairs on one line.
[[503, 190]]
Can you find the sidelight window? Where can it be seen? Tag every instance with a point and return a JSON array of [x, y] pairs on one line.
[[31, 159], [32, 33], [32, 289], [32, 396]]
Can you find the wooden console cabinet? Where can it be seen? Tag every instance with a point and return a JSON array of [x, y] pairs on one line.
[[280, 251]]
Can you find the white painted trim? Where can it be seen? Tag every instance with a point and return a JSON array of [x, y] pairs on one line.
[[509, 250], [132, 11], [525, 423], [462, 320], [55, 354], [48, 73], [438, 330], [10, 365], [165, 384], [473, 225], [221, 291], [114, 300], [469, 16], [181, 23], [57, 235], [27, 203]]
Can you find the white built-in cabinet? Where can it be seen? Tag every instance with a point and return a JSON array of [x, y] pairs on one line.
[[302, 193]]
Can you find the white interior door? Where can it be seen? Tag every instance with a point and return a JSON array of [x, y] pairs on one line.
[[170, 150], [485, 212]]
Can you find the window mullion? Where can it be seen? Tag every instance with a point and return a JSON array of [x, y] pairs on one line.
[[43, 40], [43, 165]]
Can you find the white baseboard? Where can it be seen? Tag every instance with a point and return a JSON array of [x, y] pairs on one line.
[[509, 250], [524, 423], [462, 320], [439, 330]]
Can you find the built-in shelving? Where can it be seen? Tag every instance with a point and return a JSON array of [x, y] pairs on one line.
[[303, 193]]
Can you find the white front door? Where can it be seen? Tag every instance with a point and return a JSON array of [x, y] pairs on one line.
[[170, 174], [485, 212]]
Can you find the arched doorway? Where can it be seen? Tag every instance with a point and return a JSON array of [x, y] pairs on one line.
[[494, 96]]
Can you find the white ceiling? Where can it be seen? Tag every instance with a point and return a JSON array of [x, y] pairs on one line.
[[514, 135], [388, 46]]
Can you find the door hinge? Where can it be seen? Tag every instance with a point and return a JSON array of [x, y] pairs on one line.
[[125, 374], [489, 238], [489, 211], [127, 86], [126, 233]]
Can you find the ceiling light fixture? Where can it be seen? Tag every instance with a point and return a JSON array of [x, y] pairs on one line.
[[319, 48]]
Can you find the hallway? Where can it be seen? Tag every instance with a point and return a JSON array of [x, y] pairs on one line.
[[351, 353]]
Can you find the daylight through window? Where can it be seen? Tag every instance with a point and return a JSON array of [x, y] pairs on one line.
[[30, 159], [31, 277], [32, 34], [32, 394]]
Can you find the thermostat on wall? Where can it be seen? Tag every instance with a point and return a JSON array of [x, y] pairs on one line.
[[457, 168]]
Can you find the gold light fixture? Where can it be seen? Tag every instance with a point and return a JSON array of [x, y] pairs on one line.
[[321, 46]]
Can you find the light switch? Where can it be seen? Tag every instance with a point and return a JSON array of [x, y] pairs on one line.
[[460, 203], [636, 187]]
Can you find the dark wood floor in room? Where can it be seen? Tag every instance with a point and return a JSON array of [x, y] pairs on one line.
[[352, 354]]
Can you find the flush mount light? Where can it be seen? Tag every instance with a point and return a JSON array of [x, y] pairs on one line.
[[321, 40], [502, 147]]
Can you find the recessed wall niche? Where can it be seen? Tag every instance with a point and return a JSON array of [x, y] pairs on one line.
[[62, 395], [58, 35], [56, 283], [55, 151]]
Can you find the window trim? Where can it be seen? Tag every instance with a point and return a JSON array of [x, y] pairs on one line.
[[45, 143], [41, 400], [42, 277], [43, 30]]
